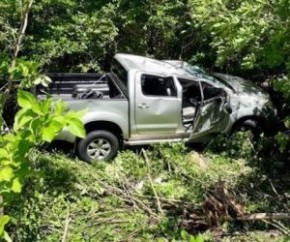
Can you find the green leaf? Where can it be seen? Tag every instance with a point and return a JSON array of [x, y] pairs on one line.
[[184, 235], [27, 101], [3, 221], [60, 119], [16, 186], [76, 127], [34, 127], [77, 115], [3, 153], [22, 118], [24, 70], [198, 238], [49, 132], [6, 173], [59, 107], [45, 105], [7, 237]]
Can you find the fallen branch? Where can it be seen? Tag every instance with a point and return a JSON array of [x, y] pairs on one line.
[[158, 203], [67, 221], [278, 226], [264, 216], [113, 190]]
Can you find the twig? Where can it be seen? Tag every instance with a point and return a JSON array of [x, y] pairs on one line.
[[278, 226], [22, 30], [284, 229], [265, 216], [117, 191], [109, 221], [67, 221], [273, 188], [172, 201], [159, 207], [129, 193], [251, 144]]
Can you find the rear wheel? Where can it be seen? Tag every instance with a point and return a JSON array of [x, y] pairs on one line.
[[98, 145]]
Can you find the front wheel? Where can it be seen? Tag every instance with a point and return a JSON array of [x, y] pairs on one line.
[[251, 126], [99, 145]]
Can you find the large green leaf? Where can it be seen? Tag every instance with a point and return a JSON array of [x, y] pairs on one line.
[[34, 127], [3, 153], [45, 105], [16, 185], [76, 127], [6, 173], [49, 132], [7, 237], [27, 101], [22, 118], [3, 221], [59, 107]]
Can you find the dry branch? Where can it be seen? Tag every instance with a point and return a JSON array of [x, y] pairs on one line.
[[158, 203], [265, 216], [67, 221]]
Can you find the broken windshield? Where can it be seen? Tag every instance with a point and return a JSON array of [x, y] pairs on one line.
[[199, 72]]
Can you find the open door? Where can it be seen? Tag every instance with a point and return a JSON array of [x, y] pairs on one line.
[[212, 116]]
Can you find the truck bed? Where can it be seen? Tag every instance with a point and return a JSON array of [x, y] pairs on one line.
[[69, 86]]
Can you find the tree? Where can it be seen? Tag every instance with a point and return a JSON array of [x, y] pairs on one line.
[[36, 122]]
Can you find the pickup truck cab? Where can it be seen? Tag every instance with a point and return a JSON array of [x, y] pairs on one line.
[[146, 101]]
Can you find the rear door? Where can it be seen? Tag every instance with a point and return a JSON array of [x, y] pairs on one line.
[[212, 116], [157, 105]]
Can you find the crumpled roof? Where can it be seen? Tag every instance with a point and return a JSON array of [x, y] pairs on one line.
[[149, 65]]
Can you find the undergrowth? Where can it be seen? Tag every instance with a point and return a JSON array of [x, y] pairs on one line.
[[161, 194]]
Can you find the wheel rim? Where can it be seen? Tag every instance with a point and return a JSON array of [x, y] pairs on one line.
[[99, 149]]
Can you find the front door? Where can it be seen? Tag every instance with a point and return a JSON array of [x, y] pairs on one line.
[[212, 116], [158, 105]]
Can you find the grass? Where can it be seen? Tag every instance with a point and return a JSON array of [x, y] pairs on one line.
[[166, 197]]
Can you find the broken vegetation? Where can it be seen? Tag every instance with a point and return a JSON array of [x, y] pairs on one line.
[[166, 193]]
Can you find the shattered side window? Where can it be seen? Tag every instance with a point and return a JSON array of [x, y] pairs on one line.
[[158, 86], [210, 91]]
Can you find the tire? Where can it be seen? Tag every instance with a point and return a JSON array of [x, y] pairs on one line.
[[252, 126], [100, 145]]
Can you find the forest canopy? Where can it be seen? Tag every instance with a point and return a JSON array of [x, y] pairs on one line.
[[69, 35]]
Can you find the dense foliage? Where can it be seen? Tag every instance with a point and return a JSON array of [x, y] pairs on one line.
[[249, 38], [246, 37], [82, 35]]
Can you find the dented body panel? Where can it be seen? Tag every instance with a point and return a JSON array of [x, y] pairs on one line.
[[151, 101]]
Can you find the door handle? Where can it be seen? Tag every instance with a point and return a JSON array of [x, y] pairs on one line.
[[143, 106]]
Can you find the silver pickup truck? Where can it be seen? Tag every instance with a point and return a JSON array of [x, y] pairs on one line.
[[146, 101]]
